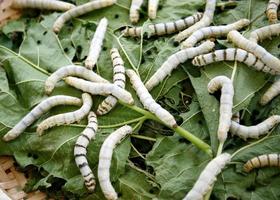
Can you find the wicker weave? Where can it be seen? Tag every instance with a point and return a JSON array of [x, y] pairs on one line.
[[7, 13]]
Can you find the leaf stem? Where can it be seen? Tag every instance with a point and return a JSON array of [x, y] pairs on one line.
[[142, 137]]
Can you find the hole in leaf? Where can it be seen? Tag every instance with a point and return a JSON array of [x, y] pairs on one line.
[[38, 42], [200, 122], [251, 188], [175, 43], [35, 156], [104, 48], [29, 155], [45, 32], [116, 16], [159, 7], [66, 49], [79, 49]]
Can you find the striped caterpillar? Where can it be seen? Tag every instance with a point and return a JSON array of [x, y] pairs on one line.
[[105, 157], [226, 102], [80, 151], [232, 54], [100, 89], [80, 10], [71, 70], [43, 4], [243, 43], [152, 8], [164, 28], [96, 44], [204, 22], [118, 79], [271, 10], [266, 160], [213, 31], [147, 100], [272, 92], [265, 32], [134, 10], [38, 111], [207, 177], [174, 60], [67, 118]]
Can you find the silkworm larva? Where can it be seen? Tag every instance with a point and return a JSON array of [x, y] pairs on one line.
[[232, 54], [236, 117], [80, 10], [38, 111], [252, 47], [100, 89], [80, 151], [43, 4], [119, 80], [67, 118], [213, 31], [265, 32], [174, 60], [207, 177], [266, 160], [105, 157], [271, 10], [152, 8], [226, 102], [204, 22], [147, 100], [164, 28], [134, 10], [96, 44], [71, 70], [273, 91]]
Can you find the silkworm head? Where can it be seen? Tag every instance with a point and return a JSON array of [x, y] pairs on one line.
[[208, 45], [48, 88], [9, 136], [231, 35]]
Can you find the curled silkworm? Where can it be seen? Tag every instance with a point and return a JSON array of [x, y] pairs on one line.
[[71, 70], [232, 54], [266, 160], [213, 31], [152, 8], [134, 10], [164, 28], [174, 60], [226, 103], [236, 117], [67, 118], [272, 92], [271, 10], [105, 157], [100, 89], [80, 10], [80, 151], [147, 100], [119, 80], [43, 4], [96, 44], [204, 22], [265, 32], [252, 47], [38, 111], [207, 177]]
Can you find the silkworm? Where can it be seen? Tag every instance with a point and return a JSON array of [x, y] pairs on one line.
[[204, 22], [265, 32], [226, 102], [100, 89], [272, 92], [134, 10], [213, 31], [67, 118], [174, 60], [96, 44], [80, 10], [252, 47], [207, 177], [80, 151], [147, 100], [164, 28], [266, 160], [232, 54], [152, 8], [43, 4], [271, 10], [38, 111], [105, 157], [119, 80]]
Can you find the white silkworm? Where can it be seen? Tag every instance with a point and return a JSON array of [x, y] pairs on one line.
[[174, 60], [226, 103], [100, 89], [236, 117], [208, 177], [134, 10], [266, 160], [252, 47], [271, 10], [105, 157], [67, 118], [96, 44], [119, 80], [80, 10], [265, 32], [43, 4], [272, 92], [152, 8], [38, 111], [80, 151], [71, 70], [213, 31], [232, 54], [204, 22], [148, 102], [164, 28]]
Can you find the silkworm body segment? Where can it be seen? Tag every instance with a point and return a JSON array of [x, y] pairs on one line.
[[266, 160], [43, 4], [271, 10]]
